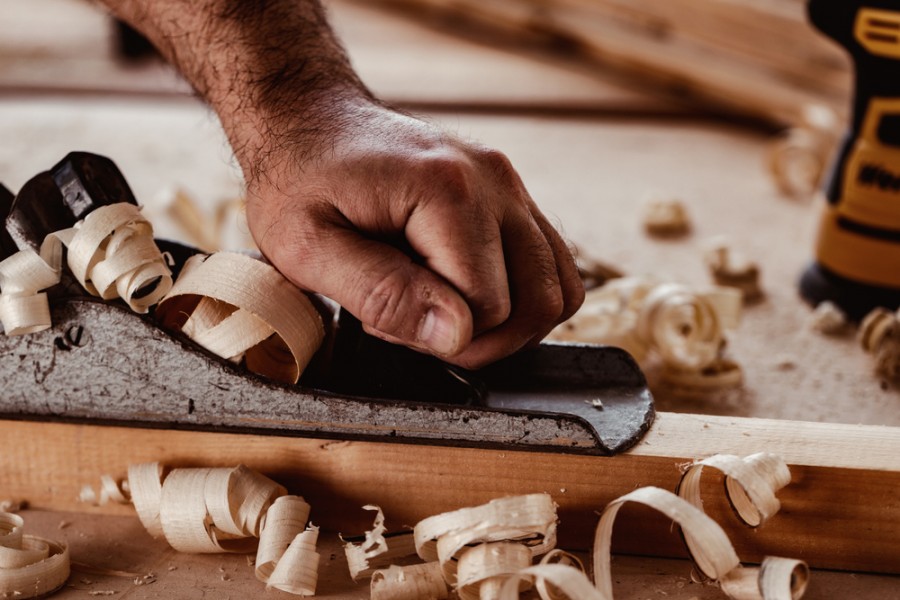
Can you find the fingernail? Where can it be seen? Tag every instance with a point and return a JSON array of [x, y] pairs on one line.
[[438, 332]]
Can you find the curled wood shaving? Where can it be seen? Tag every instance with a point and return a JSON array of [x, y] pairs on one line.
[[298, 570], [666, 217], [245, 309], [488, 544], [112, 255], [285, 519], [23, 275], [798, 157], [414, 582], [722, 374], [712, 551], [557, 557], [483, 569], [11, 505], [875, 327], [373, 545], [780, 574], [776, 579], [125, 263], [567, 580], [529, 520], [225, 510], [879, 335], [145, 483], [400, 545], [750, 483], [29, 566], [710, 548], [684, 327], [730, 268], [183, 209], [828, 319], [609, 316]]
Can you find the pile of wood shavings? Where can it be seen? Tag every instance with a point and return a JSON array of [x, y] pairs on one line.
[[487, 551], [683, 327]]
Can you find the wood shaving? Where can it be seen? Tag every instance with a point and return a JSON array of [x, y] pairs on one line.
[[24, 308], [232, 305], [799, 156], [490, 543], [29, 566], [414, 582], [226, 230], [298, 570], [666, 218], [400, 545], [373, 544], [529, 520], [875, 328], [225, 510], [879, 335], [87, 495], [751, 484], [111, 253], [730, 268], [123, 264], [241, 308], [828, 319], [684, 327], [710, 548], [546, 589], [723, 374], [11, 505], [482, 570], [609, 316], [183, 209], [285, 520]]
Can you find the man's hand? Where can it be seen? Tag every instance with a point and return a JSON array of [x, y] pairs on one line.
[[430, 241]]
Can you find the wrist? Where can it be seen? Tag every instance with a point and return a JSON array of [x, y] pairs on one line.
[[306, 128]]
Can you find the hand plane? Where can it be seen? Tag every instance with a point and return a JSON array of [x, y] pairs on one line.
[[102, 363]]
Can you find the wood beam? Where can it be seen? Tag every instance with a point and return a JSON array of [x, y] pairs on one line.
[[841, 511]]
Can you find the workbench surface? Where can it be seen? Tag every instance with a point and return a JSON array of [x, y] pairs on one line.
[[590, 173]]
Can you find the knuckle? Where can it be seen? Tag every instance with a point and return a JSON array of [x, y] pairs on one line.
[[551, 305], [499, 165], [573, 295], [451, 175], [495, 159], [385, 305], [493, 312]]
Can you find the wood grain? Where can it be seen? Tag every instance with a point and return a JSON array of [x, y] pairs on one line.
[[842, 510]]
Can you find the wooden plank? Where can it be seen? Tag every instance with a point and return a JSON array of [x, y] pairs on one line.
[[841, 512]]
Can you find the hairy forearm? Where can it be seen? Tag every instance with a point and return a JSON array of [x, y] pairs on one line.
[[271, 69]]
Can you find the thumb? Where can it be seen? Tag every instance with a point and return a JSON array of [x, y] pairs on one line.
[[394, 298]]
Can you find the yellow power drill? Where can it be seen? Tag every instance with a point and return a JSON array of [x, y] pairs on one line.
[[857, 263]]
